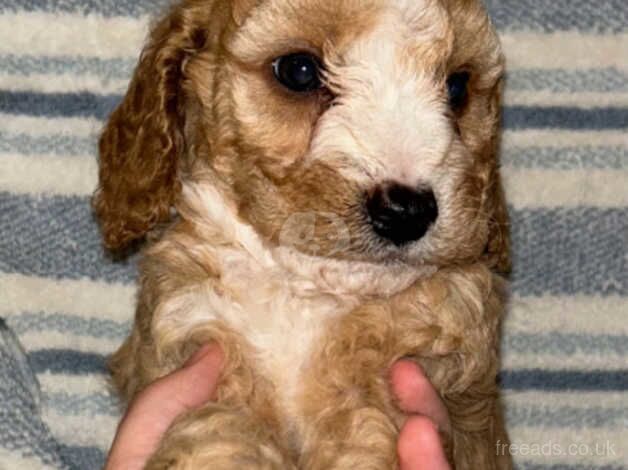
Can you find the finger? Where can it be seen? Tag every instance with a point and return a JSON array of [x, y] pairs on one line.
[[419, 446], [192, 385], [153, 411], [416, 394]]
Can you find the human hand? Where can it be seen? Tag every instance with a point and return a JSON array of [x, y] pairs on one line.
[[152, 412], [419, 445]]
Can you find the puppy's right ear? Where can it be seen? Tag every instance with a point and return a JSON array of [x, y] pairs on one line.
[[142, 142]]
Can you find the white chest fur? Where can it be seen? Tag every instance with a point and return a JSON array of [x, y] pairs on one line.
[[280, 301], [282, 317], [279, 314]]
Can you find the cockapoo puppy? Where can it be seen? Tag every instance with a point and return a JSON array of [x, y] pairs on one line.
[[319, 184]]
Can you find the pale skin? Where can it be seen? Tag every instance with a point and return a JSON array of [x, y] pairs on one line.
[[152, 412]]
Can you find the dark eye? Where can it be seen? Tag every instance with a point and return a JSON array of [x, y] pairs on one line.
[[298, 72], [457, 89]]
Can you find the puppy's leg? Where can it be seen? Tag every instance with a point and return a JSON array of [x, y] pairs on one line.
[[465, 306], [449, 324], [479, 436], [362, 438], [219, 438], [352, 422]]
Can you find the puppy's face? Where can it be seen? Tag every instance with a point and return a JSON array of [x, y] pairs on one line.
[[361, 130]]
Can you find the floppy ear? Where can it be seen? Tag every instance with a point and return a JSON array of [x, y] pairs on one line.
[[497, 251], [142, 142]]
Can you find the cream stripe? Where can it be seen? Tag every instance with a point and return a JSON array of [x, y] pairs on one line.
[[560, 188], [39, 33], [557, 138], [36, 340], [75, 297], [11, 460], [88, 430], [553, 361], [50, 34], [96, 299], [565, 50], [38, 126], [76, 384], [580, 99], [573, 314], [71, 175], [65, 83], [62, 175], [580, 399]]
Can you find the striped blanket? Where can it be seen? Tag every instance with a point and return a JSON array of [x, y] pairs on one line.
[[65, 306]]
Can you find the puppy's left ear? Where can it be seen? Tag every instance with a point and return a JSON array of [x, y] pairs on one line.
[[497, 253]]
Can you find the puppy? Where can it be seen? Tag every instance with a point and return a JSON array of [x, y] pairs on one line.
[[320, 187]]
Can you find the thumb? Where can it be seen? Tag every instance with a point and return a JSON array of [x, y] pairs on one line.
[[192, 385], [152, 412]]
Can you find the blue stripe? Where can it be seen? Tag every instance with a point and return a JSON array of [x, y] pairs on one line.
[[82, 458], [600, 16], [566, 344], [574, 380], [569, 251], [566, 466], [63, 323], [551, 416], [568, 81], [57, 144], [58, 237], [106, 69], [566, 158], [58, 361], [556, 251], [515, 117], [58, 104], [102, 7], [555, 117]]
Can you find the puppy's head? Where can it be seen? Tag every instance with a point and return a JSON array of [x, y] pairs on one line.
[[361, 130]]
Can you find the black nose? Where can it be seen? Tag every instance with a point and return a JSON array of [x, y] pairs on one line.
[[401, 214]]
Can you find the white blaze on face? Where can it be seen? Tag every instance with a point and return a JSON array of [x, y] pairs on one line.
[[390, 120]]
